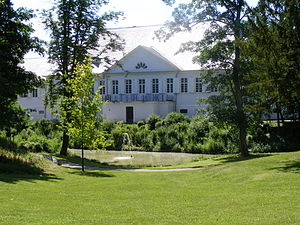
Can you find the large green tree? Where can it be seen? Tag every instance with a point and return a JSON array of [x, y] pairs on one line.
[[76, 27], [220, 53], [15, 42], [274, 48]]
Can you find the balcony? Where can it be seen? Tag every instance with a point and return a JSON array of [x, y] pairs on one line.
[[139, 97]]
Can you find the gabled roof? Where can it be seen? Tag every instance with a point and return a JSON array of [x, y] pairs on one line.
[[143, 59], [134, 37]]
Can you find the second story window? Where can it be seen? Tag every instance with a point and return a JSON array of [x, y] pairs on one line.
[[155, 86], [169, 85], [115, 87], [128, 86], [35, 93], [198, 85], [102, 87], [213, 89], [184, 85], [141, 86]]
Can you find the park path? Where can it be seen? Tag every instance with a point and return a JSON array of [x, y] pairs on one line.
[[67, 164]]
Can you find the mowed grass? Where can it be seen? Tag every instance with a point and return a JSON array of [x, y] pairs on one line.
[[263, 189]]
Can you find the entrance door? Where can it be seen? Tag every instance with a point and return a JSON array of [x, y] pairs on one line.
[[129, 114]]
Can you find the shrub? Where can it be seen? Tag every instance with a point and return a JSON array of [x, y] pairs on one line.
[[45, 126], [152, 120], [107, 125], [174, 117]]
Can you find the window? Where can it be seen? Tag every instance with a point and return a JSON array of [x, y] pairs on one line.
[[128, 86], [142, 86], [198, 85], [34, 93], [102, 87], [169, 85], [214, 89], [183, 111], [41, 112], [184, 84], [154, 85], [115, 86]]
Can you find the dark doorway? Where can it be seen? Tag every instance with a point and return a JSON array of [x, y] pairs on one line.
[[129, 114]]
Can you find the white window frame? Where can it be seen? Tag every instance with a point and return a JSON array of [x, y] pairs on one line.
[[155, 86], [102, 85], [183, 85], [34, 93], [128, 86], [199, 85], [170, 85], [115, 87]]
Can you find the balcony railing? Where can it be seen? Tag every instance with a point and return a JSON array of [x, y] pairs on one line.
[[139, 97]]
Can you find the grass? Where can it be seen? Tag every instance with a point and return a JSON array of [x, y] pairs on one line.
[[261, 189]]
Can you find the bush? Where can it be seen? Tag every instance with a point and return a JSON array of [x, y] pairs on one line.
[[174, 117], [152, 120], [108, 126], [45, 126]]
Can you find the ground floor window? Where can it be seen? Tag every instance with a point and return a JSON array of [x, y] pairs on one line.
[[183, 111]]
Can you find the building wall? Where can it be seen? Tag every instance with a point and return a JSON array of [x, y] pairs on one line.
[[141, 110], [35, 106], [178, 101]]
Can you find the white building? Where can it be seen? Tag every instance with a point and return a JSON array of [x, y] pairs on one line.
[[144, 81]]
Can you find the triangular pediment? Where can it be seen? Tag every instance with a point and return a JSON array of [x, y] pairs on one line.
[[143, 59]]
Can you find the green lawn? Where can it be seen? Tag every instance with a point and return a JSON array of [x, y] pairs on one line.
[[264, 189]]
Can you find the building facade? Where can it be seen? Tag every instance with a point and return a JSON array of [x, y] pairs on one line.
[[142, 83]]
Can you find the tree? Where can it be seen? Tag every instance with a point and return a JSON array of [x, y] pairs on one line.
[[15, 42], [84, 110], [75, 30], [274, 48], [220, 53]]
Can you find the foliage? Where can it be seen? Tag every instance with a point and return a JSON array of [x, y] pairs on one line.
[[175, 117], [14, 119], [17, 163], [220, 53], [83, 109], [75, 29], [152, 120], [274, 47], [15, 42]]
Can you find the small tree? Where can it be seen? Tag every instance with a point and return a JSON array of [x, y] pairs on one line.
[[82, 116]]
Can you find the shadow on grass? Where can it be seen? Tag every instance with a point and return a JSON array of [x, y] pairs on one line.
[[14, 178], [238, 158], [291, 166], [14, 168], [94, 163], [93, 173]]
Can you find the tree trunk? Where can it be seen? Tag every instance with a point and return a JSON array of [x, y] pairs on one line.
[[65, 144], [238, 94], [243, 141], [278, 115]]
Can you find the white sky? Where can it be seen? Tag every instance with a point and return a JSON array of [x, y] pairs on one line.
[[136, 12]]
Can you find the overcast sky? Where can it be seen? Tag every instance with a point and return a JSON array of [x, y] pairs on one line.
[[136, 12]]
